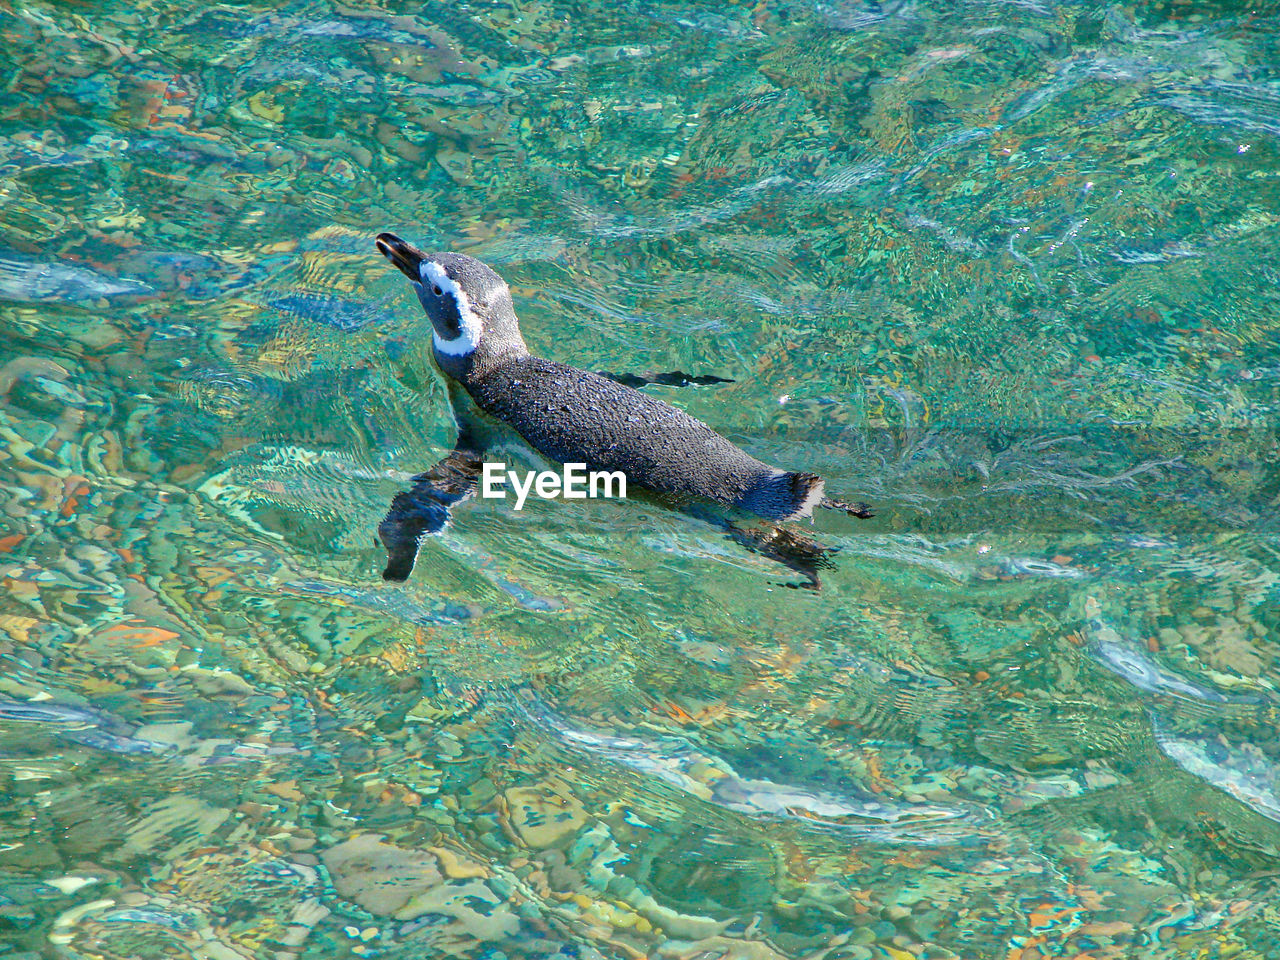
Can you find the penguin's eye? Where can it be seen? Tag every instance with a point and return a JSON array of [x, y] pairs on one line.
[[436, 290]]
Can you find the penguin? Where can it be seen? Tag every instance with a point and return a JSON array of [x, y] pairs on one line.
[[569, 415]]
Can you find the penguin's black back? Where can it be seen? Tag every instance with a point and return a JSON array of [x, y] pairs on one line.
[[573, 416]]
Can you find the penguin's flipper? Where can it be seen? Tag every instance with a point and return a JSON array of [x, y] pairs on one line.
[[862, 511], [789, 547], [424, 508], [677, 378]]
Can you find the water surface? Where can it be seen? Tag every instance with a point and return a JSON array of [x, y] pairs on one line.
[[1005, 270]]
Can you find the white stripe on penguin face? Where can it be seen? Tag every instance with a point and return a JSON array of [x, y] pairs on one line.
[[470, 324]]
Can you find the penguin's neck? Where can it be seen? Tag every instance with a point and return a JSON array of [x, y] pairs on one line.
[[480, 363]]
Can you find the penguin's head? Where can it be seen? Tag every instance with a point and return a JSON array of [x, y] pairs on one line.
[[469, 306]]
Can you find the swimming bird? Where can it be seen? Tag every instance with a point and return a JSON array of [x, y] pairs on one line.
[[569, 416]]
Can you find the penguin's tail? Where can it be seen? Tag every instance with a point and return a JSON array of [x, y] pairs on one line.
[[806, 493], [784, 496]]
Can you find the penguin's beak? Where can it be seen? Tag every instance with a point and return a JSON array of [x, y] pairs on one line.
[[405, 256]]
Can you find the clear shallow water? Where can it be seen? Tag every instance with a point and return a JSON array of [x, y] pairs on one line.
[[1006, 270]]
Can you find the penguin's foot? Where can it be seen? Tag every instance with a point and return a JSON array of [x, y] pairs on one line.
[[862, 511], [676, 378], [789, 547]]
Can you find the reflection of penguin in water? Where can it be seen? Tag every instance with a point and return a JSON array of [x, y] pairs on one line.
[[572, 416]]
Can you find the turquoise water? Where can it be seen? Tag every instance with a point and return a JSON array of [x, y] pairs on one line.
[[1005, 270]]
